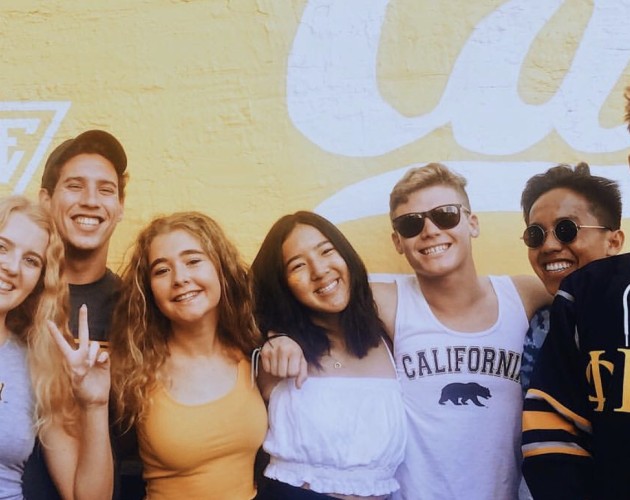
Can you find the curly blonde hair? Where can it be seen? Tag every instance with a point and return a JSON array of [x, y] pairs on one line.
[[140, 331], [48, 300]]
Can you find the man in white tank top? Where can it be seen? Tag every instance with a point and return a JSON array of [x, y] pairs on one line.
[[458, 340]]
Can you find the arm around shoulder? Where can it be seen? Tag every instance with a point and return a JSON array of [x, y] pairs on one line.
[[280, 357], [533, 293], [386, 298]]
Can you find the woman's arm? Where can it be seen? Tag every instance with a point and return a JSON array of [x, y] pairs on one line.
[[81, 466], [80, 463], [281, 357]]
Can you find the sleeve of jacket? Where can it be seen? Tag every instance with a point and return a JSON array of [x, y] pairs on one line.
[[556, 428]]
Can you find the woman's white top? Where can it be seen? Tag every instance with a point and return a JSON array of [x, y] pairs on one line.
[[343, 435]]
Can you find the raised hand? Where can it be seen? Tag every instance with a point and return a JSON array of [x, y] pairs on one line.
[[89, 365]]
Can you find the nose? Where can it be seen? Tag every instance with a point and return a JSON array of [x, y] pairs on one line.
[[318, 269], [10, 263], [550, 242], [89, 196], [429, 228], [180, 275]]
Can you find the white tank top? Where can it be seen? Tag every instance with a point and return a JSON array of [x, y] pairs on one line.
[[343, 435], [462, 397]]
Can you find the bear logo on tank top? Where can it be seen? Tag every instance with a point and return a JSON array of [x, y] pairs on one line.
[[460, 394]]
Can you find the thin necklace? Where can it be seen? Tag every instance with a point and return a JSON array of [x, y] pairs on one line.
[[336, 363]]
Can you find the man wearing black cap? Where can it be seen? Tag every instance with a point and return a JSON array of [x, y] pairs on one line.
[[83, 186]]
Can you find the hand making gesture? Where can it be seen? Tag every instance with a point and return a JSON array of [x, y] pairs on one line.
[[89, 365]]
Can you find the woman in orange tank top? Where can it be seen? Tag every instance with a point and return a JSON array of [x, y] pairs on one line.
[[183, 332]]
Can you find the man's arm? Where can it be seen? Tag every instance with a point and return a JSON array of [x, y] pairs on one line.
[[533, 293], [386, 298]]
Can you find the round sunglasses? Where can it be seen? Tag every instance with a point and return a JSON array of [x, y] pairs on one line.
[[444, 217], [565, 232]]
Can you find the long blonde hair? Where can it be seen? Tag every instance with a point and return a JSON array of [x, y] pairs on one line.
[[140, 331], [48, 300]]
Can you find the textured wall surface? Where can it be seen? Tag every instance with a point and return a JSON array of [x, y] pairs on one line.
[[248, 109]]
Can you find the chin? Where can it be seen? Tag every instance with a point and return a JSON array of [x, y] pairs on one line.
[[84, 246]]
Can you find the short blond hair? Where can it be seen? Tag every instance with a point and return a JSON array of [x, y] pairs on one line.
[[432, 174], [627, 108]]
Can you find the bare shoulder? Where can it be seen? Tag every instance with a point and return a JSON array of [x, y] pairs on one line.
[[384, 292], [532, 292], [386, 298]]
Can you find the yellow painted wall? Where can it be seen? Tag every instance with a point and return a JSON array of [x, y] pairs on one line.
[[198, 93]]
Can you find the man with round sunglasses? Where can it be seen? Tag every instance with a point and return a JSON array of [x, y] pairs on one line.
[[572, 218], [576, 421]]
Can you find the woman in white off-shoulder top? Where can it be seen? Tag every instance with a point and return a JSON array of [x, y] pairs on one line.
[[341, 433]]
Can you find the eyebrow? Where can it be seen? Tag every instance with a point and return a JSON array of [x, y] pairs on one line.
[[183, 253], [298, 256]]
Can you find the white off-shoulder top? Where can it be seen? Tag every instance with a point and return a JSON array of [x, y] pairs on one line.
[[343, 435]]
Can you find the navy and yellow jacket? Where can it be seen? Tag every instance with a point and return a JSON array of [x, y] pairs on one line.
[[576, 420]]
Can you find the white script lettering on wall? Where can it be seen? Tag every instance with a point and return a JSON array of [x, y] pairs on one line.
[[333, 96]]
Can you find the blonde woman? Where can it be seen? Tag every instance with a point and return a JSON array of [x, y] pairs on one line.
[[54, 391], [183, 332]]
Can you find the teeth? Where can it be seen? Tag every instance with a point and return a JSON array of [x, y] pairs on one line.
[[185, 296], [6, 286], [327, 288], [88, 221], [558, 266], [434, 250]]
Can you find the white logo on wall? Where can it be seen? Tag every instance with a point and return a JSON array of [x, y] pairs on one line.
[[37, 119], [334, 100]]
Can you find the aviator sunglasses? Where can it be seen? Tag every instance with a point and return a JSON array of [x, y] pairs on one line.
[[444, 217], [565, 232]]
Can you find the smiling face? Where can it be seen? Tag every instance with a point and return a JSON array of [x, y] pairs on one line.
[[22, 250], [184, 281], [316, 274], [554, 260], [85, 202], [436, 252]]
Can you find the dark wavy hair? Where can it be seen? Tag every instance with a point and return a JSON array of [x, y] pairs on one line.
[[602, 194], [277, 309]]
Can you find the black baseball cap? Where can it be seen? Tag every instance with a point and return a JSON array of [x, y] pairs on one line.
[[89, 142]]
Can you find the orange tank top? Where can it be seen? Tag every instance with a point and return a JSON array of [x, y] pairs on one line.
[[205, 450]]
